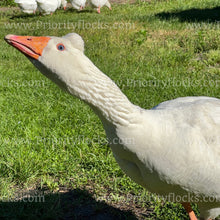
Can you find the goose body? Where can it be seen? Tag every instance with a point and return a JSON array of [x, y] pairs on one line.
[[48, 6], [98, 4], [173, 148], [78, 4], [27, 6]]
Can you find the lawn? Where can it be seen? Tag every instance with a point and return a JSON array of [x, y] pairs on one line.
[[54, 146]]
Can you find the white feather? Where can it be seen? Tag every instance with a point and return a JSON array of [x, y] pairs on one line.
[[27, 6], [48, 6]]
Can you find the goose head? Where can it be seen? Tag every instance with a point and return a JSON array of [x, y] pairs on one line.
[[61, 59]]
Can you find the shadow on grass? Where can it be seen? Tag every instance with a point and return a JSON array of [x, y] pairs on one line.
[[73, 10], [23, 15], [75, 204], [193, 15]]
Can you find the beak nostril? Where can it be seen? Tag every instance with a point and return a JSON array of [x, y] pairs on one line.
[[30, 39]]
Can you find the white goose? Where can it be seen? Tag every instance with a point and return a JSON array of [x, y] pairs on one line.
[[62, 4], [27, 6], [98, 4], [172, 148], [78, 4], [48, 6]]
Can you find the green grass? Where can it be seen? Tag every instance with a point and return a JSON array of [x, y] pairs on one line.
[[7, 3], [50, 139]]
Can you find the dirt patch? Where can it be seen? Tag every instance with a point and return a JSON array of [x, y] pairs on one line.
[[4, 9]]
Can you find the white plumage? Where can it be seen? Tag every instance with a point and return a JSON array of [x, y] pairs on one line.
[[27, 6], [98, 4], [78, 4], [173, 148], [62, 4], [48, 6]]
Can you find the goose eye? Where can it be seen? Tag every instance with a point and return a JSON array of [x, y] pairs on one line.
[[60, 47]]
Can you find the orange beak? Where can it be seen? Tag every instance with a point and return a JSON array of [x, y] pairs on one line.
[[30, 46]]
